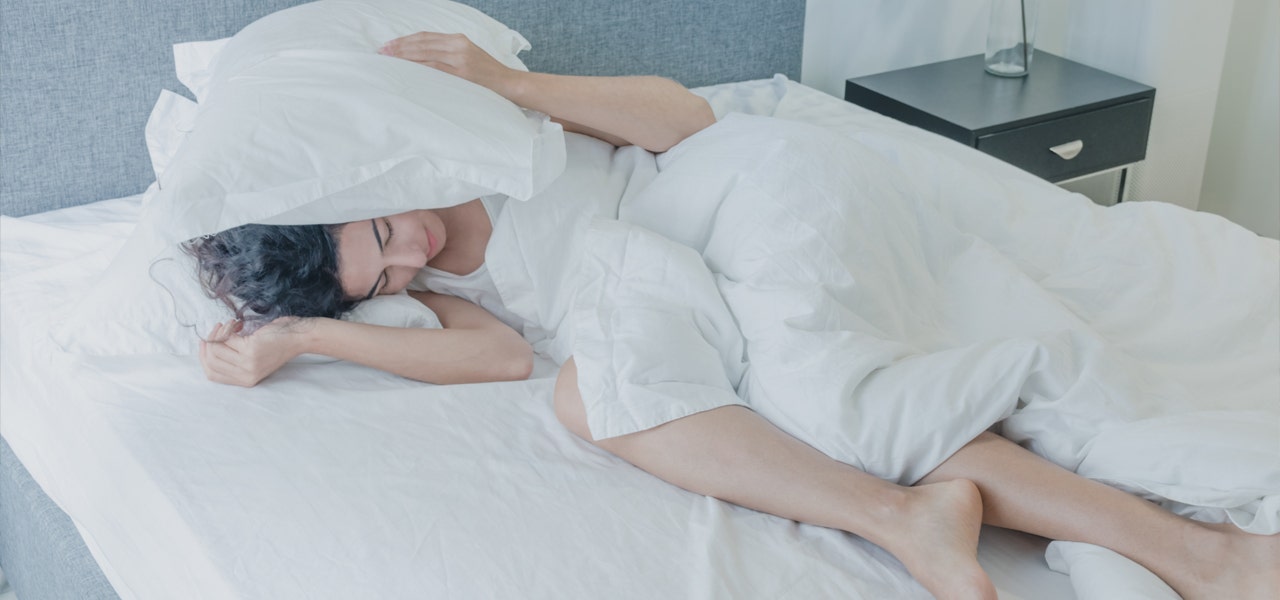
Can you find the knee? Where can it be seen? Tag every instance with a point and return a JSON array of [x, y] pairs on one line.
[[568, 402]]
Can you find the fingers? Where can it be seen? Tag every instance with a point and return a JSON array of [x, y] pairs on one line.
[[243, 360], [221, 366], [425, 45], [228, 356], [452, 53], [216, 368], [222, 331], [219, 356]]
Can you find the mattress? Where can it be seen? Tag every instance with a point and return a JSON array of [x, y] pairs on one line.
[[473, 490], [334, 480]]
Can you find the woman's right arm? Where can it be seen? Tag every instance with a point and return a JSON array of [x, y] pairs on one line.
[[473, 347], [651, 112]]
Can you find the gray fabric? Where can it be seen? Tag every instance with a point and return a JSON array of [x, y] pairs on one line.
[[40, 550], [79, 78], [697, 43]]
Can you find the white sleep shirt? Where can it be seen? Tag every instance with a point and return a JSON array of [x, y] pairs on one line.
[[476, 287], [596, 179]]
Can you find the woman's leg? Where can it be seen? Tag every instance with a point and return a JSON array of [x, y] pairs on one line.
[[1023, 491], [733, 454]]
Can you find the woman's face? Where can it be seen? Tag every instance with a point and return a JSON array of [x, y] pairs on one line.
[[382, 255]]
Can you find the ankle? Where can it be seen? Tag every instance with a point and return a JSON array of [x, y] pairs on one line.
[[1205, 545], [899, 509], [884, 516]]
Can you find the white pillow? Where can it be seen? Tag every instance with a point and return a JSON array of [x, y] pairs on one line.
[[193, 62], [171, 120], [1097, 573], [355, 26], [442, 141], [185, 314], [302, 121]]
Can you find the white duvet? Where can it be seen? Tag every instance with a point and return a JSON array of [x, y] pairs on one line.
[[1128, 329], [886, 304], [889, 317]]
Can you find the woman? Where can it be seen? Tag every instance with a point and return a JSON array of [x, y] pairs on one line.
[[728, 452]]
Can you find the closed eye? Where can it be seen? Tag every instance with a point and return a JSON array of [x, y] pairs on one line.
[[382, 246], [386, 277], [377, 285]]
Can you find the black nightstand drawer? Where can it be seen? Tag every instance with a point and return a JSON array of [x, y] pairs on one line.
[[1109, 137]]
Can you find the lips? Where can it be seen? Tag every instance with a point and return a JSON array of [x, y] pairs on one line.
[[432, 244]]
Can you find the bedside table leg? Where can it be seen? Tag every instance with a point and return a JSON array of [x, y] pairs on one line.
[[1124, 182]]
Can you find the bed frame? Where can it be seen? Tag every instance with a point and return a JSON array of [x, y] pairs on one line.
[[80, 79]]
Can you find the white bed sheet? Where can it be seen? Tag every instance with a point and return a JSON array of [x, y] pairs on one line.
[[336, 481]]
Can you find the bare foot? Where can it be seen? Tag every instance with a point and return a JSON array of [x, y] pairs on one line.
[[1229, 563], [937, 540]]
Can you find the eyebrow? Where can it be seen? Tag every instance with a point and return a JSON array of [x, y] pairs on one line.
[[377, 236]]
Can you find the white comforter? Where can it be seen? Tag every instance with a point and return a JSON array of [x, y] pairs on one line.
[[892, 304]]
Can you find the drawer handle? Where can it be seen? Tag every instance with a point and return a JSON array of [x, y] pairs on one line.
[[1068, 150]]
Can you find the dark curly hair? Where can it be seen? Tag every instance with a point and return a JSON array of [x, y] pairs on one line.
[[262, 272]]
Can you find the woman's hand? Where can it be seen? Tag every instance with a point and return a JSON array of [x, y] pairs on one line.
[[455, 54], [651, 112], [245, 360]]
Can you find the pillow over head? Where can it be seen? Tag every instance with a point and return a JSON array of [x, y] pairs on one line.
[[301, 121], [358, 26]]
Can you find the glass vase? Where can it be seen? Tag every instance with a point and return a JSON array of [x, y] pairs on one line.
[[1011, 37]]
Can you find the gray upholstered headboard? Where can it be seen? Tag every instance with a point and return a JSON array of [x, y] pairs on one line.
[[78, 79]]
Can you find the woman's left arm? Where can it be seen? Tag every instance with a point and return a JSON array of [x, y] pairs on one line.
[[472, 346], [651, 112]]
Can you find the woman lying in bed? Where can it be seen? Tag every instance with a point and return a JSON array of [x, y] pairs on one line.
[[298, 279]]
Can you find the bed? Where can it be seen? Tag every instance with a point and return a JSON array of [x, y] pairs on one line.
[[133, 477]]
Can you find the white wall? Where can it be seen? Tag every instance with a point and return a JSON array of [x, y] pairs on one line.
[[1242, 177], [851, 38], [1177, 46]]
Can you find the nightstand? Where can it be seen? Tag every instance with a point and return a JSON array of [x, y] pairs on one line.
[[1063, 121]]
